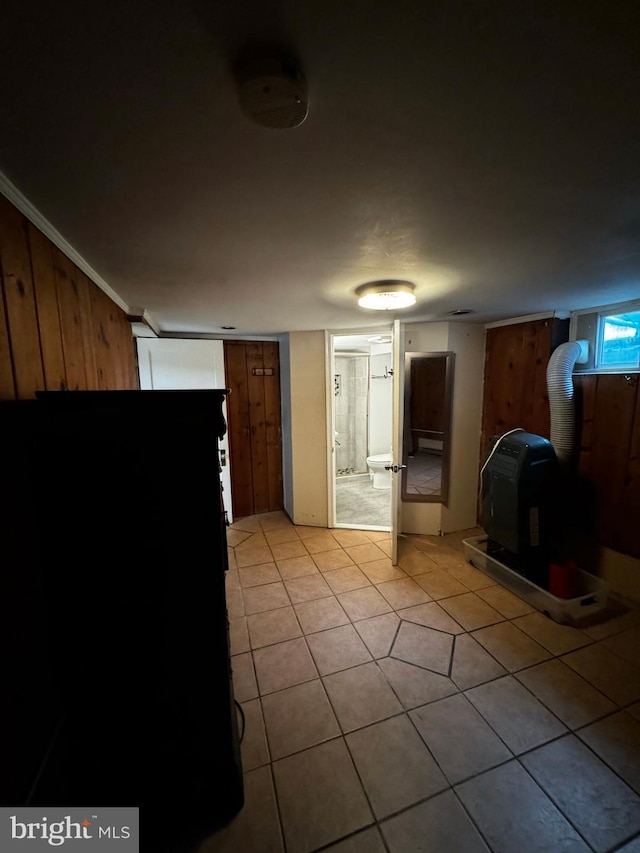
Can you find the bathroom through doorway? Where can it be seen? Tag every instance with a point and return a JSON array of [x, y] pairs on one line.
[[362, 419]]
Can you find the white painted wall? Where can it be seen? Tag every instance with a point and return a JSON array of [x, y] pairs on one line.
[[308, 428], [380, 404], [467, 340], [426, 337]]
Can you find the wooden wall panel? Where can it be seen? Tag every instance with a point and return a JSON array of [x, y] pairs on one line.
[[498, 407], [259, 459], [114, 347], [86, 328], [70, 307], [533, 339], [625, 534], [611, 437], [515, 377], [100, 306], [19, 301], [58, 330], [273, 422], [609, 462], [585, 397], [550, 335], [44, 281], [7, 383]]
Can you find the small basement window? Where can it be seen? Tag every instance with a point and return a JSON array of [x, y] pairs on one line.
[[613, 335], [618, 341]]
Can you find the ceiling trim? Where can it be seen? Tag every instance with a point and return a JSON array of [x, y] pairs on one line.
[[217, 336], [528, 318], [611, 308], [34, 216]]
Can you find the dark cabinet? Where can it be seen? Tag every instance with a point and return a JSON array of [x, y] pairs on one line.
[[122, 680]]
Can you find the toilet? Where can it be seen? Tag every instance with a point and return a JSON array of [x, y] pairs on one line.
[[376, 464]]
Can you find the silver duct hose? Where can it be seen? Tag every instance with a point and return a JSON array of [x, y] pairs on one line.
[[561, 402]]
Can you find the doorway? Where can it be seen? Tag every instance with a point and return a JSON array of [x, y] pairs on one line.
[[362, 420], [252, 371]]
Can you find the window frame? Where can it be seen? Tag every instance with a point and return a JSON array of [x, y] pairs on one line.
[[620, 366], [588, 323]]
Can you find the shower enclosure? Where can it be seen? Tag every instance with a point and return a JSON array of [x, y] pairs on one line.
[[351, 390]]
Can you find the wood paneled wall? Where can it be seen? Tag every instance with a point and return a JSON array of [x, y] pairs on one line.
[[58, 330], [608, 407], [515, 377], [605, 504]]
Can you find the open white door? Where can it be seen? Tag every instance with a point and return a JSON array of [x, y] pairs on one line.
[[396, 449], [168, 364]]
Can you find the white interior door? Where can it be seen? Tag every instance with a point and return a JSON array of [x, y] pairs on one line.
[[396, 449], [168, 364]]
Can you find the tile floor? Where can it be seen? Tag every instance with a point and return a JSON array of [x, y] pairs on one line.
[[421, 707], [424, 471], [357, 502]]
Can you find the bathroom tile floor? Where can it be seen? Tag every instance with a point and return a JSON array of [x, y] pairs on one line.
[[357, 502], [421, 707]]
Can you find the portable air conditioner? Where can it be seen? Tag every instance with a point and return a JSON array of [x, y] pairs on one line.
[[519, 482]]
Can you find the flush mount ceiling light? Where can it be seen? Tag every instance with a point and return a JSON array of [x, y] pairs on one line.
[[386, 295]]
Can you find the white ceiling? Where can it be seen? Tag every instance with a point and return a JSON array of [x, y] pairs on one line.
[[488, 152]]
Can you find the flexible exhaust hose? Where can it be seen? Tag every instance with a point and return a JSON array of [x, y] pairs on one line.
[[561, 397]]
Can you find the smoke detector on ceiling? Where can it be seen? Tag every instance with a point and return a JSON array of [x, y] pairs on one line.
[[272, 92]]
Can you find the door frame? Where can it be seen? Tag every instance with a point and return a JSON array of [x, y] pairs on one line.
[[394, 330], [398, 430], [250, 393]]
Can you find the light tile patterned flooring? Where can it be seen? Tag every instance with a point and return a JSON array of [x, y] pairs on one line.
[[358, 503], [424, 471], [421, 707]]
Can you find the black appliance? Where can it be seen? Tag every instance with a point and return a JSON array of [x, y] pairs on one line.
[[518, 489], [119, 675]]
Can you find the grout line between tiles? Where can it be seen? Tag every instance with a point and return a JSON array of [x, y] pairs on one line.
[[278, 810], [555, 803], [606, 763], [513, 674], [476, 826], [452, 656], [350, 837], [624, 843]]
